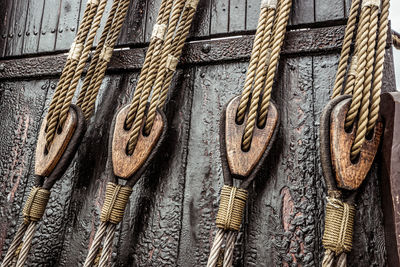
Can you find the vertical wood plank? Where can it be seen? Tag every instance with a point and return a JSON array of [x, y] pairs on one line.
[[49, 25], [21, 110], [67, 25], [151, 17], [237, 15], [252, 14], [17, 28], [219, 16], [302, 12], [283, 196], [32, 29], [6, 21], [202, 18], [132, 31], [326, 10], [214, 86]]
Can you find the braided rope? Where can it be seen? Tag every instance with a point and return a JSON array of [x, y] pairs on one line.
[[15, 245], [93, 63], [155, 44], [152, 75], [216, 248], [107, 248], [345, 54], [362, 46], [229, 248], [279, 35], [379, 63], [105, 56], [245, 97], [62, 87], [101, 231], [26, 245], [262, 64], [366, 91]]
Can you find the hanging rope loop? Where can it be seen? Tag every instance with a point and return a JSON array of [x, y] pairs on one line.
[[339, 221], [35, 204], [115, 202], [231, 208]]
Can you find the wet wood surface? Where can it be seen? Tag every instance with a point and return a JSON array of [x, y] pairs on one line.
[[170, 220]]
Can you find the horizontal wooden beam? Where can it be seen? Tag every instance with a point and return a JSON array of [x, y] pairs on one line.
[[211, 51]]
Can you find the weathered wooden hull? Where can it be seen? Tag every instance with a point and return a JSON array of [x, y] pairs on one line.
[[170, 220]]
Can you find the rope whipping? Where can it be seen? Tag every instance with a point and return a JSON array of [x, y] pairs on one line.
[[168, 37], [252, 110], [62, 99], [359, 74]]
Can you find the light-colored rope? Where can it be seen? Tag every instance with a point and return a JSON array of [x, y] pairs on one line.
[[345, 54], [94, 248], [279, 36], [107, 247], [229, 248], [152, 75], [27, 243], [265, 53], [396, 41], [216, 248], [15, 246], [379, 63], [366, 87]]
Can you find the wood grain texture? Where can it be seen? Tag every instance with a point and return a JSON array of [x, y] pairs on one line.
[[67, 24], [32, 28], [242, 163], [350, 175], [46, 161], [125, 165]]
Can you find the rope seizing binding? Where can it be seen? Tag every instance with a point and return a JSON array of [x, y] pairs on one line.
[[64, 125], [249, 118], [139, 128], [350, 130]]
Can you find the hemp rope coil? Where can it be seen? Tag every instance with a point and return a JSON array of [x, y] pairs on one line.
[[359, 75], [169, 34], [60, 105], [255, 97]]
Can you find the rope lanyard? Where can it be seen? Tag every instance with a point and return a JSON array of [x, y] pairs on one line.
[[249, 126], [139, 128], [350, 130], [64, 125]]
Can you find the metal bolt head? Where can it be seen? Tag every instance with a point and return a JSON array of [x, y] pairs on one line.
[[2, 67], [206, 48]]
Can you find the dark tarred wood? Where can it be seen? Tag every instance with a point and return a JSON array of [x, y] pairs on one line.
[[390, 173], [209, 51], [16, 31], [48, 29], [67, 24], [170, 220], [32, 29], [5, 12]]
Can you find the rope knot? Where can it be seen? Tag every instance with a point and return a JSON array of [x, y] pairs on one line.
[[158, 31], [231, 208], [339, 220], [35, 204], [172, 62], [106, 53], [75, 51], [192, 4], [371, 3], [116, 198], [269, 4]]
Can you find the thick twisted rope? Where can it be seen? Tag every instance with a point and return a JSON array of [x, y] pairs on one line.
[[396, 40], [94, 248], [216, 248], [105, 56], [279, 36], [15, 246], [94, 14], [259, 79], [366, 86], [345, 54], [26, 245], [107, 248], [150, 61], [152, 75]]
